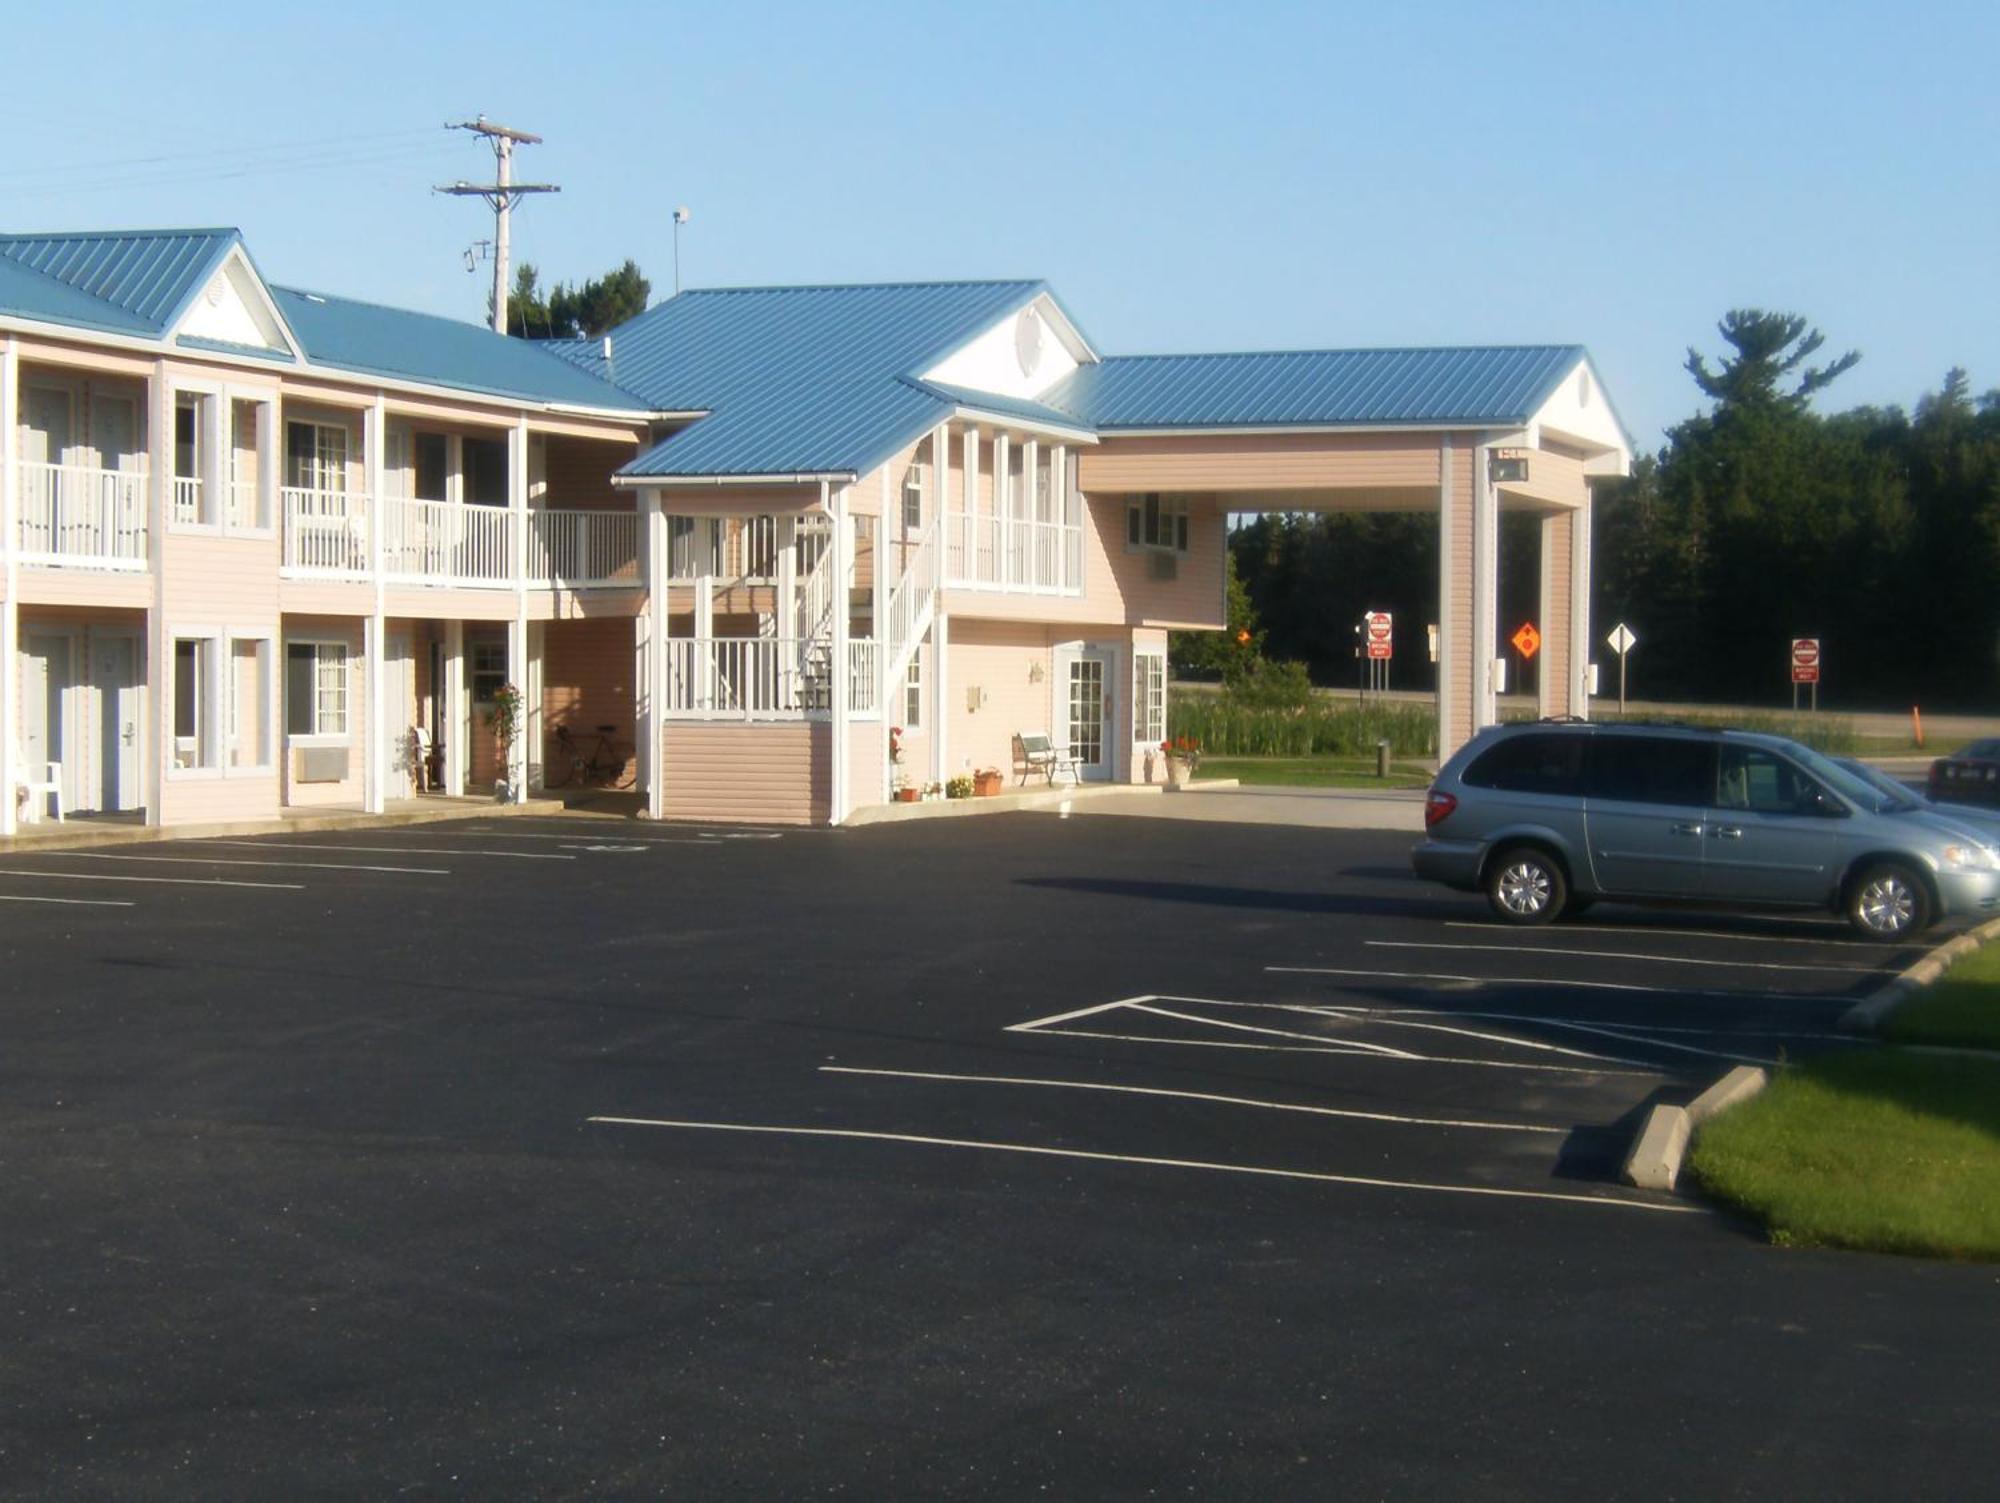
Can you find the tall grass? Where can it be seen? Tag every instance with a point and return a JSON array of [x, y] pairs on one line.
[[1226, 726], [1832, 734]]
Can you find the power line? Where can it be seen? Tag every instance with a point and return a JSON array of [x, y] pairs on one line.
[[222, 172], [501, 194], [229, 155]]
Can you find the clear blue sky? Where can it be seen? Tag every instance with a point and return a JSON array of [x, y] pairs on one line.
[[1239, 176]]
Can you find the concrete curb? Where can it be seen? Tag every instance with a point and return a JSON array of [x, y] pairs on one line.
[[1205, 785], [82, 835], [1656, 1157], [1871, 1012], [999, 803]]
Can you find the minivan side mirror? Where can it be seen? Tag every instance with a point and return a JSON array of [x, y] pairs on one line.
[[1825, 805]]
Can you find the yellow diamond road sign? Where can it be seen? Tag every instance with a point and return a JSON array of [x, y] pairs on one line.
[[1527, 641]]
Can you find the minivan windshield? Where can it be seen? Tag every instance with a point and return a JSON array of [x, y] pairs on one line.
[[1855, 790], [1899, 795]]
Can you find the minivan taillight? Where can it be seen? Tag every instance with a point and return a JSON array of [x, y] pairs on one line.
[[1437, 808]]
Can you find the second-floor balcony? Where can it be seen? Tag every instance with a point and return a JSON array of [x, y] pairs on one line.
[[77, 517], [764, 678], [1007, 553], [441, 543]]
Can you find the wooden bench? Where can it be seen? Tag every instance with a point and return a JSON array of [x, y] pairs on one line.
[[1035, 753]]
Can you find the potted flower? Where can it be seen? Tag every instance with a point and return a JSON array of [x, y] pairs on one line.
[[503, 718], [959, 787], [1183, 757], [986, 782]]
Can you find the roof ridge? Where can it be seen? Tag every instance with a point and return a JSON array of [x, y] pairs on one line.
[[859, 286], [1359, 349], [118, 234]]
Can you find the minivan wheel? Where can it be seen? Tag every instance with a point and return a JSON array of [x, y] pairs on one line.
[[1888, 902], [1526, 886]]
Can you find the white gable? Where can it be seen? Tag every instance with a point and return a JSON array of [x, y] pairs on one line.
[[1578, 414], [1022, 355], [235, 309]]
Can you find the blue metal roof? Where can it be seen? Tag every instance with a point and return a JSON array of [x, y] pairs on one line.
[[1007, 407], [799, 380], [379, 341], [149, 276], [1503, 384]]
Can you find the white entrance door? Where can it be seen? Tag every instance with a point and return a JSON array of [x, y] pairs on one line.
[[112, 713], [1085, 710], [46, 677], [400, 713]]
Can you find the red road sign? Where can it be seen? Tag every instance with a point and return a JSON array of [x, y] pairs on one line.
[[1805, 660], [1381, 635], [1527, 641]]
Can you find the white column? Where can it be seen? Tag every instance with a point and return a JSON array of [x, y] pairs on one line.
[[10, 610], [1545, 686], [1003, 561], [375, 711], [1579, 610], [843, 559], [159, 657], [457, 724], [518, 668], [940, 695], [517, 675], [1448, 647], [533, 741], [650, 699], [973, 527], [1485, 588]]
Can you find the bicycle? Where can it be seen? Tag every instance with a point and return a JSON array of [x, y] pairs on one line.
[[602, 765]]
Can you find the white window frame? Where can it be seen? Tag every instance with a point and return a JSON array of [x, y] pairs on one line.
[[211, 710], [210, 437], [325, 476], [343, 737], [913, 493], [913, 692], [474, 651], [1167, 517], [267, 428], [233, 720], [1149, 697]]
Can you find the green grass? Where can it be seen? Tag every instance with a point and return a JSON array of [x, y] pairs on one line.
[[1882, 1150], [1962, 1008], [1313, 772]]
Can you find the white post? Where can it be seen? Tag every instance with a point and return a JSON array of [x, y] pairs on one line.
[[1545, 687], [843, 558], [374, 715], [940, 691], [159, 656], [1448, 648], [10, 610], [516, 770], [457, 723], [1579, 610], [1031, 454], [973, 526], [1485, 588], [518, 665], [651, 697], [533, 741], [1003, 471]]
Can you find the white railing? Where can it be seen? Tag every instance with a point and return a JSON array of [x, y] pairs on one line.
[[863, 659], [187, 499], [575, 548], [76, 517], [911, 605], [326, 532], [245, 509], [439, 543], [747, 678], [998, 553]]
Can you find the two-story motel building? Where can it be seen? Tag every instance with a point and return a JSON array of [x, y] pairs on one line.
[[263, 547]]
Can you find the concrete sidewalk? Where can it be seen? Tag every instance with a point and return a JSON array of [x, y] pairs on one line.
[[76, 834], [1307, 808]]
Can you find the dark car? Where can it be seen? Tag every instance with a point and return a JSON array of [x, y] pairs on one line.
[[1968, 777]]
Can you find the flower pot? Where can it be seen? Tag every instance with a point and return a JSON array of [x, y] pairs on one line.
[[908, 795], [986, 784], [1179, 770]]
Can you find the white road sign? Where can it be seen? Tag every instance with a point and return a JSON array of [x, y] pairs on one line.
[[1621, 639]]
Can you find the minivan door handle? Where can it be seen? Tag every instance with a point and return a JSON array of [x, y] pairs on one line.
[[1729, 832], [1687, 829]]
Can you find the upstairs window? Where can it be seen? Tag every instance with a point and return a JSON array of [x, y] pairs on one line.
[[1153, 521], [316, 456], [913, 491]]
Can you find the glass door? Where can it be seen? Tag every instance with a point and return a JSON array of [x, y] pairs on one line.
[[1082, 684]]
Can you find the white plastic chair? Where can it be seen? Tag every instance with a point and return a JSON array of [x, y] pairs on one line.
[[48, 787]]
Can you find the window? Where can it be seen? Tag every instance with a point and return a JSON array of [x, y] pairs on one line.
[[489, 671], [250, 719], [913, 692], [192, 505], [1651, 769], [913, 493], [1156, 522], [316, 688], [316, 456], [694, 547], [195, 699], [1149, 698], [485, 471], [431, 456], [249, 506], [1760, 783], [1532, 764]]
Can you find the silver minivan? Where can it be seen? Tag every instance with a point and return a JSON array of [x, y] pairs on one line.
[[1545, 818]]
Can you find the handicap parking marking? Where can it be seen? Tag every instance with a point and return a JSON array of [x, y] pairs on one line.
[[1208, 1097], [854, 1134], [1568, 953], [284, 843], [318, 866]]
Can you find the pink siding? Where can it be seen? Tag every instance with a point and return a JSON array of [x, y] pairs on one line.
[[997, 658], [755, 773]]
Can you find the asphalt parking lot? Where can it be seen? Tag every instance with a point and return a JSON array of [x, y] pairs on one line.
[[1102, 1157]]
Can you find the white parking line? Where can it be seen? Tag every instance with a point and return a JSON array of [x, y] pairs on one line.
[[1609, 1202], [283, 844], [317, 866], [1625, 1037], [1333, 1011], [1081, 1012], [1648, 1028], [1345, 1045], [1130, 1090], [45, 873], [1594, 986], [72, 902], [1649, 1072], [1585, 929], [1732, 965]]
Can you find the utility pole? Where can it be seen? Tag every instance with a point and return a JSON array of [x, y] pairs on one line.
[[502, 193]]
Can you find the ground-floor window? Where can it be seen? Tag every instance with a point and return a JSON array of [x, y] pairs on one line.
[[197, 681], [316, 688], [1149, 698], [489, 671], [913, 692]]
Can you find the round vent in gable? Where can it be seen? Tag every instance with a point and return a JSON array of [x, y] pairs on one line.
[[1028, 340]]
